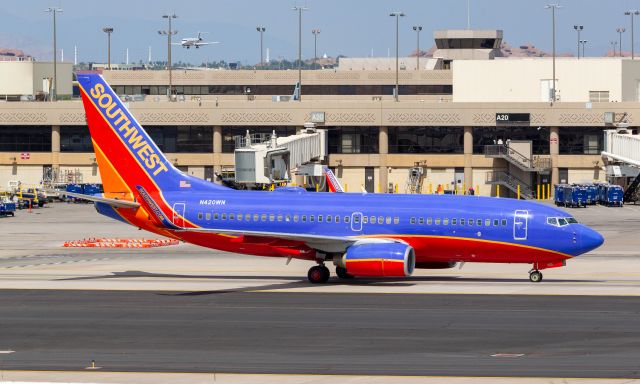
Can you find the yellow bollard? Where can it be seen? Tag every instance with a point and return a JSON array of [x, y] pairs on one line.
[[478, 190], [518, 191], [464, 188], [538, 193], [497, 190], [430, 189], [548, 191], [395, 188], [346, 187], [317, 187], [379, 188]]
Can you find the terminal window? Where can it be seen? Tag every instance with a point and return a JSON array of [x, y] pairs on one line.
[[426, 140]]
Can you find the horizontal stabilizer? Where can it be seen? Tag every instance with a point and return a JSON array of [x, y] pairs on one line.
[[116, 203]]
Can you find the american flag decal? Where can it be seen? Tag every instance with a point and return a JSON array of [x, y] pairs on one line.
[[185, 184]]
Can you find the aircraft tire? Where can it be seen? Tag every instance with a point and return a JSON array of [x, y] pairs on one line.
[[535, 276], [343, 274], [318, 274]]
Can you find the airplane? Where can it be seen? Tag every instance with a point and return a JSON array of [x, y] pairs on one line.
[[362, 235], [197, 42]]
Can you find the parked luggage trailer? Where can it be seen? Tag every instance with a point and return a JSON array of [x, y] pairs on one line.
[[575, 196], [592, 194], [558, 193], [614, 196]]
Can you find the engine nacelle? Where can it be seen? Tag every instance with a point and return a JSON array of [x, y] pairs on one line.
[[379, 259]]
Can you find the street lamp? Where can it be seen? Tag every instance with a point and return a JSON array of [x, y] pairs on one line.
[[315, 32], [632, 13], [620, 31], [613, 45], [418, 28], [169, 32], [583, 42], [261, 30], [54, 87], [579, 29], [299, 9], [397, 15], [108, 31], [553, 8]]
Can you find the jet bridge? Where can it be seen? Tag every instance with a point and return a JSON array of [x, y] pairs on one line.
[[621, 156], [264, 159]]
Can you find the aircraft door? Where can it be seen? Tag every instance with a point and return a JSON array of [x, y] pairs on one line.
[[356, 221], [520, 222], [178, 214]]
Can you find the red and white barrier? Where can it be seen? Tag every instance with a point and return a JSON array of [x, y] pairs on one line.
[[102, 242]]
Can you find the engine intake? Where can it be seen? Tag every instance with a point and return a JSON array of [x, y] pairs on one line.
[[379, 259]]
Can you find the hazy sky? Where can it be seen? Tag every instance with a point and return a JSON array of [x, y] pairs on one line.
[[353, 28]]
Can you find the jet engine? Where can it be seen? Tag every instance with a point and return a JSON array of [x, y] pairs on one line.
[[378, 259]]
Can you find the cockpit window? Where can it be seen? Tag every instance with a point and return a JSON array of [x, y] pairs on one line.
[[572, 220], [552, 220], [562, 222]]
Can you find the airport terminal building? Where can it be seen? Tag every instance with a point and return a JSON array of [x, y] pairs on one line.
[[454, 113]]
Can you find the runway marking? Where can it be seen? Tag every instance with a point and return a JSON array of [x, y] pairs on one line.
[[7, 352], [507, 355]]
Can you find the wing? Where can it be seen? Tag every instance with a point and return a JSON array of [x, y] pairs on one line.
[[207, 43], [116, 203], [176, 44]]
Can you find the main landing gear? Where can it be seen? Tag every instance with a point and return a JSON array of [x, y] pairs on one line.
[[318, 274], [535, 276], [343, 274]]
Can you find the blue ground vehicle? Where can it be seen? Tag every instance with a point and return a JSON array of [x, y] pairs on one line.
[[575, 196], [592, 194], [85, 189], [613, 196], [558, 194], [7, 208]]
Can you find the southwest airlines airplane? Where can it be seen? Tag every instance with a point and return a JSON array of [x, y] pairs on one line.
[[373, 235]]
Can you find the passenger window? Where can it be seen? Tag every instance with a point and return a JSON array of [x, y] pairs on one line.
[[295, 218], [304, 218], [445, 221], [504, 222], [552, 221], [346, 219], [287, 218], [312, 218], [224, 216], [256, 217], [247, 216], [463, 221], [412, 220], [454, 221], [495, 222], [365, 219], [199, 215], [232, 216], [429, 221], [239, 216], [337, 219], [328, 218], [320, 218], [387, 220], [396, 220], [279, 217], [479, 222], [215, 216], [208, 216], [421, 220], [380, 219], [487, 222], [437, 221], [372, 219], [272, 217], [356, 219], [263, 217]]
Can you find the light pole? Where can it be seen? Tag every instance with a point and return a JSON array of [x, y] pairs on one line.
[[620, 31], [108, 31], [300, 9], [397, 15], [553, 8], [418, 28], [315, 32], [583, 42], [579, 29], [170, 32], [613, 45], [261, 30], [632, 13], [54, 87]]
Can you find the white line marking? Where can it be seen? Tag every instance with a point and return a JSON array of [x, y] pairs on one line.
[[6, 352]]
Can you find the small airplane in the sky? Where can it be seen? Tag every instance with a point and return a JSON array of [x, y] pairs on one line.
[[197, 42]]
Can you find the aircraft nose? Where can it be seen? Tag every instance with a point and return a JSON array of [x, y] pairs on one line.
[[590, 239]]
